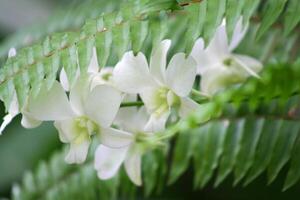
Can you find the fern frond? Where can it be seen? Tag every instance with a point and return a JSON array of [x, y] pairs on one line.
[[243, 131], [67, 18], [55, 179], [246, 130]]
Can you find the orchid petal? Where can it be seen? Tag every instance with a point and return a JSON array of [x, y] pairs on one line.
[[187, 106], [238, 34], [66, 130], [152, 100], [198, 53], [140, 120], [14, 106], [50, 104], [148, 96], [218, 78], [93, 65], [6, 120], [157, 123], [133, 168], [78, 94], [131, 74], [124, 118], [249, 64], [207, 57], [12, 52], [158, 60], [13, 110], [102, 104], [180, 74], [107, 70], [115, 138], [126, 114], [63, 79], [159, 111], [108, 161], [29, 122], [132, 119], [218, 47], [78, 152], [99, 78]]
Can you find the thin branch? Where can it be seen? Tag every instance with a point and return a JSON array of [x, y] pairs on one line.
[[200, 94], [189, 3], [132, 103]]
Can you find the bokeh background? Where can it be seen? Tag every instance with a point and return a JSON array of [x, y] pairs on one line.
[[21, 149]]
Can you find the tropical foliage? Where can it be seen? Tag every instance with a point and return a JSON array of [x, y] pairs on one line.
[[244, 124]]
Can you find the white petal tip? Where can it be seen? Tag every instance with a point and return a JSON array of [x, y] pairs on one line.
[[72, 160], [167, 42], [6, 120], [138, 183], [64, 80], [104, 176], [77, 155], [256, 75], [223, 22], [128, 53], [12, 52]]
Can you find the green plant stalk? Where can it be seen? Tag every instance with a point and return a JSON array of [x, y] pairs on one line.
[[200, 94], [174, 130], [132, 103], [194, 93]]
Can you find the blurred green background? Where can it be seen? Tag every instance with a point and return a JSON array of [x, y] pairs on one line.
[[22, 149]]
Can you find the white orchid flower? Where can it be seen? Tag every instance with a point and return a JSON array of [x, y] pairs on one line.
[[98, 77], [108, 160], [159, 87], [88, 112], [218, 66], [92, 69], [13, 109], [104, 77]]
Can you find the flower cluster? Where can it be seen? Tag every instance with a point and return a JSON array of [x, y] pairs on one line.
[[91, 107]]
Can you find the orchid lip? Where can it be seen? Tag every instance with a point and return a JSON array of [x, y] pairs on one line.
[[85, 128], [228, 61], [165, 98]]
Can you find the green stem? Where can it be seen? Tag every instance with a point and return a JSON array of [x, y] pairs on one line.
[[160, 136], [200, 94], [140, 103], [132, 103], [169, 134]]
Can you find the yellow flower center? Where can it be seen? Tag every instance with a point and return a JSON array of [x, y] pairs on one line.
[[106, 76], [238, 73], [228, 62], [84, 129], [164, 99]]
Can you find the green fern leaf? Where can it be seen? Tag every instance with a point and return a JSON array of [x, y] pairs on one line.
[[291, 18], [233, 13], [273, 9], [215, 12]]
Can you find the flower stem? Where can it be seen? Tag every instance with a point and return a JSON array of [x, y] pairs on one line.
[[140, 103], [132, 103], [200, 94]]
